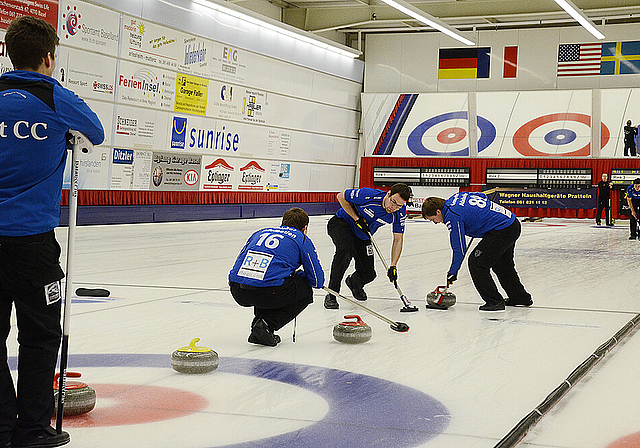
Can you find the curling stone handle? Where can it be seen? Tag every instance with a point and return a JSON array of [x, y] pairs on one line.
[[359, 320], [69, 375], [442, 289]]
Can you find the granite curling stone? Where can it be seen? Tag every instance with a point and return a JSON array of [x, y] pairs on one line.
[[441, 299], [352, 332], [192, 359], [79, 398]]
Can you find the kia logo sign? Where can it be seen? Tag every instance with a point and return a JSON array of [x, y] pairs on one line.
[[191, 177]]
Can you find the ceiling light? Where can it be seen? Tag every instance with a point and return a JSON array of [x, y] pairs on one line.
[[281, 28], [427, 19], [580, 16]]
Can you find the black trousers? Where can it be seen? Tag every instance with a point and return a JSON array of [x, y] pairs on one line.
[[277, 305], [603, 204], [27, 264], [348, 247], [629, 146], [633, 222], [495, 252]]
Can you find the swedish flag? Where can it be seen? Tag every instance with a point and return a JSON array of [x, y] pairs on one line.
[[620, 58]]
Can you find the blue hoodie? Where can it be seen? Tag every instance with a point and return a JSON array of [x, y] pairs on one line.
[[36, 112]]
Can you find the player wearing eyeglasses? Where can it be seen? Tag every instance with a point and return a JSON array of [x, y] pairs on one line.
[[362, 212]]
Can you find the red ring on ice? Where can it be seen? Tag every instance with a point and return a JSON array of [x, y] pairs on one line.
[[131, 404], [521, 136], [451, 135], [626, 442]]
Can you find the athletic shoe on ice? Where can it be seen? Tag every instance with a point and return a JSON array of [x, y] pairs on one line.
[[47, 438], [358, 293], [492, 308], [330, 302], [261, 334], [510, 302]]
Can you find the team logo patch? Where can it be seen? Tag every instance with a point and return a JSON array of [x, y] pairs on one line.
[[477, 253], [52, 292], [370, 250]]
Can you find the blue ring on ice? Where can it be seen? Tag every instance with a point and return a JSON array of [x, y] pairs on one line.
[[414, 141], [370, 411], [560, 137]]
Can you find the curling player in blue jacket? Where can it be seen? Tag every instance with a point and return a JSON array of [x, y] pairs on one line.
[[474, 215], [266, 276], [35, 114]]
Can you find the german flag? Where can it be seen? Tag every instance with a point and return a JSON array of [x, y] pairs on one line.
[[464, 63]]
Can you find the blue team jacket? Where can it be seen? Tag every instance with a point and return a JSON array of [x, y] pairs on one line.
[[474, 215], [632, 193], [36, 113], [368, 204], [273, 254]]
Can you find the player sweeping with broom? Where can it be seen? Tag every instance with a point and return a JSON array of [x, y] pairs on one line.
[[474, 215]]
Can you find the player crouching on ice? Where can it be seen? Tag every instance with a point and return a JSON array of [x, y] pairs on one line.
[[474, 215], [265, 275]]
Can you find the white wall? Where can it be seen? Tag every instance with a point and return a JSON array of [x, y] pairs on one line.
[[409, 62], [290, 107]]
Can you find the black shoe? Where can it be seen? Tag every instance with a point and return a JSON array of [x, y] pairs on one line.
[[492, 308], [261, 334], [510, 302], [358, 293], [632, 237], [330, 302], [48, 438], [598, 223]]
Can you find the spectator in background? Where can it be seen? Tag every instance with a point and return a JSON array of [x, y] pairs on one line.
[[630, 133], [604, 201], [633, 199]]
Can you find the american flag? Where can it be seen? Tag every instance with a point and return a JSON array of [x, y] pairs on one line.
[[579, 59]]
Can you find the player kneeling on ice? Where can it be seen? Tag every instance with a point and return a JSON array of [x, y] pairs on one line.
[[265, 275], [474, 215]]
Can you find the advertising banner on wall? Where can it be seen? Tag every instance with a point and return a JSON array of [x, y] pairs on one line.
[[253, 104], [144, 86], [46, 10], [252, 177], [144, 41], [191, 94], [93, 170], [196, 58], [89, 27], [228, 63], [136, 127], [279, 176], [219, 173], [206, 134], [131, 169], [89, 75], [175, 172], [5, 62], [225, 100], [547, 198]]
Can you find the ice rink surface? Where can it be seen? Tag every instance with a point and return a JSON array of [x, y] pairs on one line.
[[456, 379]]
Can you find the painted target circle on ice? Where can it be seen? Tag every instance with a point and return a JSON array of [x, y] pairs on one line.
[[437, 137], [563, 134], [451, 135], [371, 410]]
